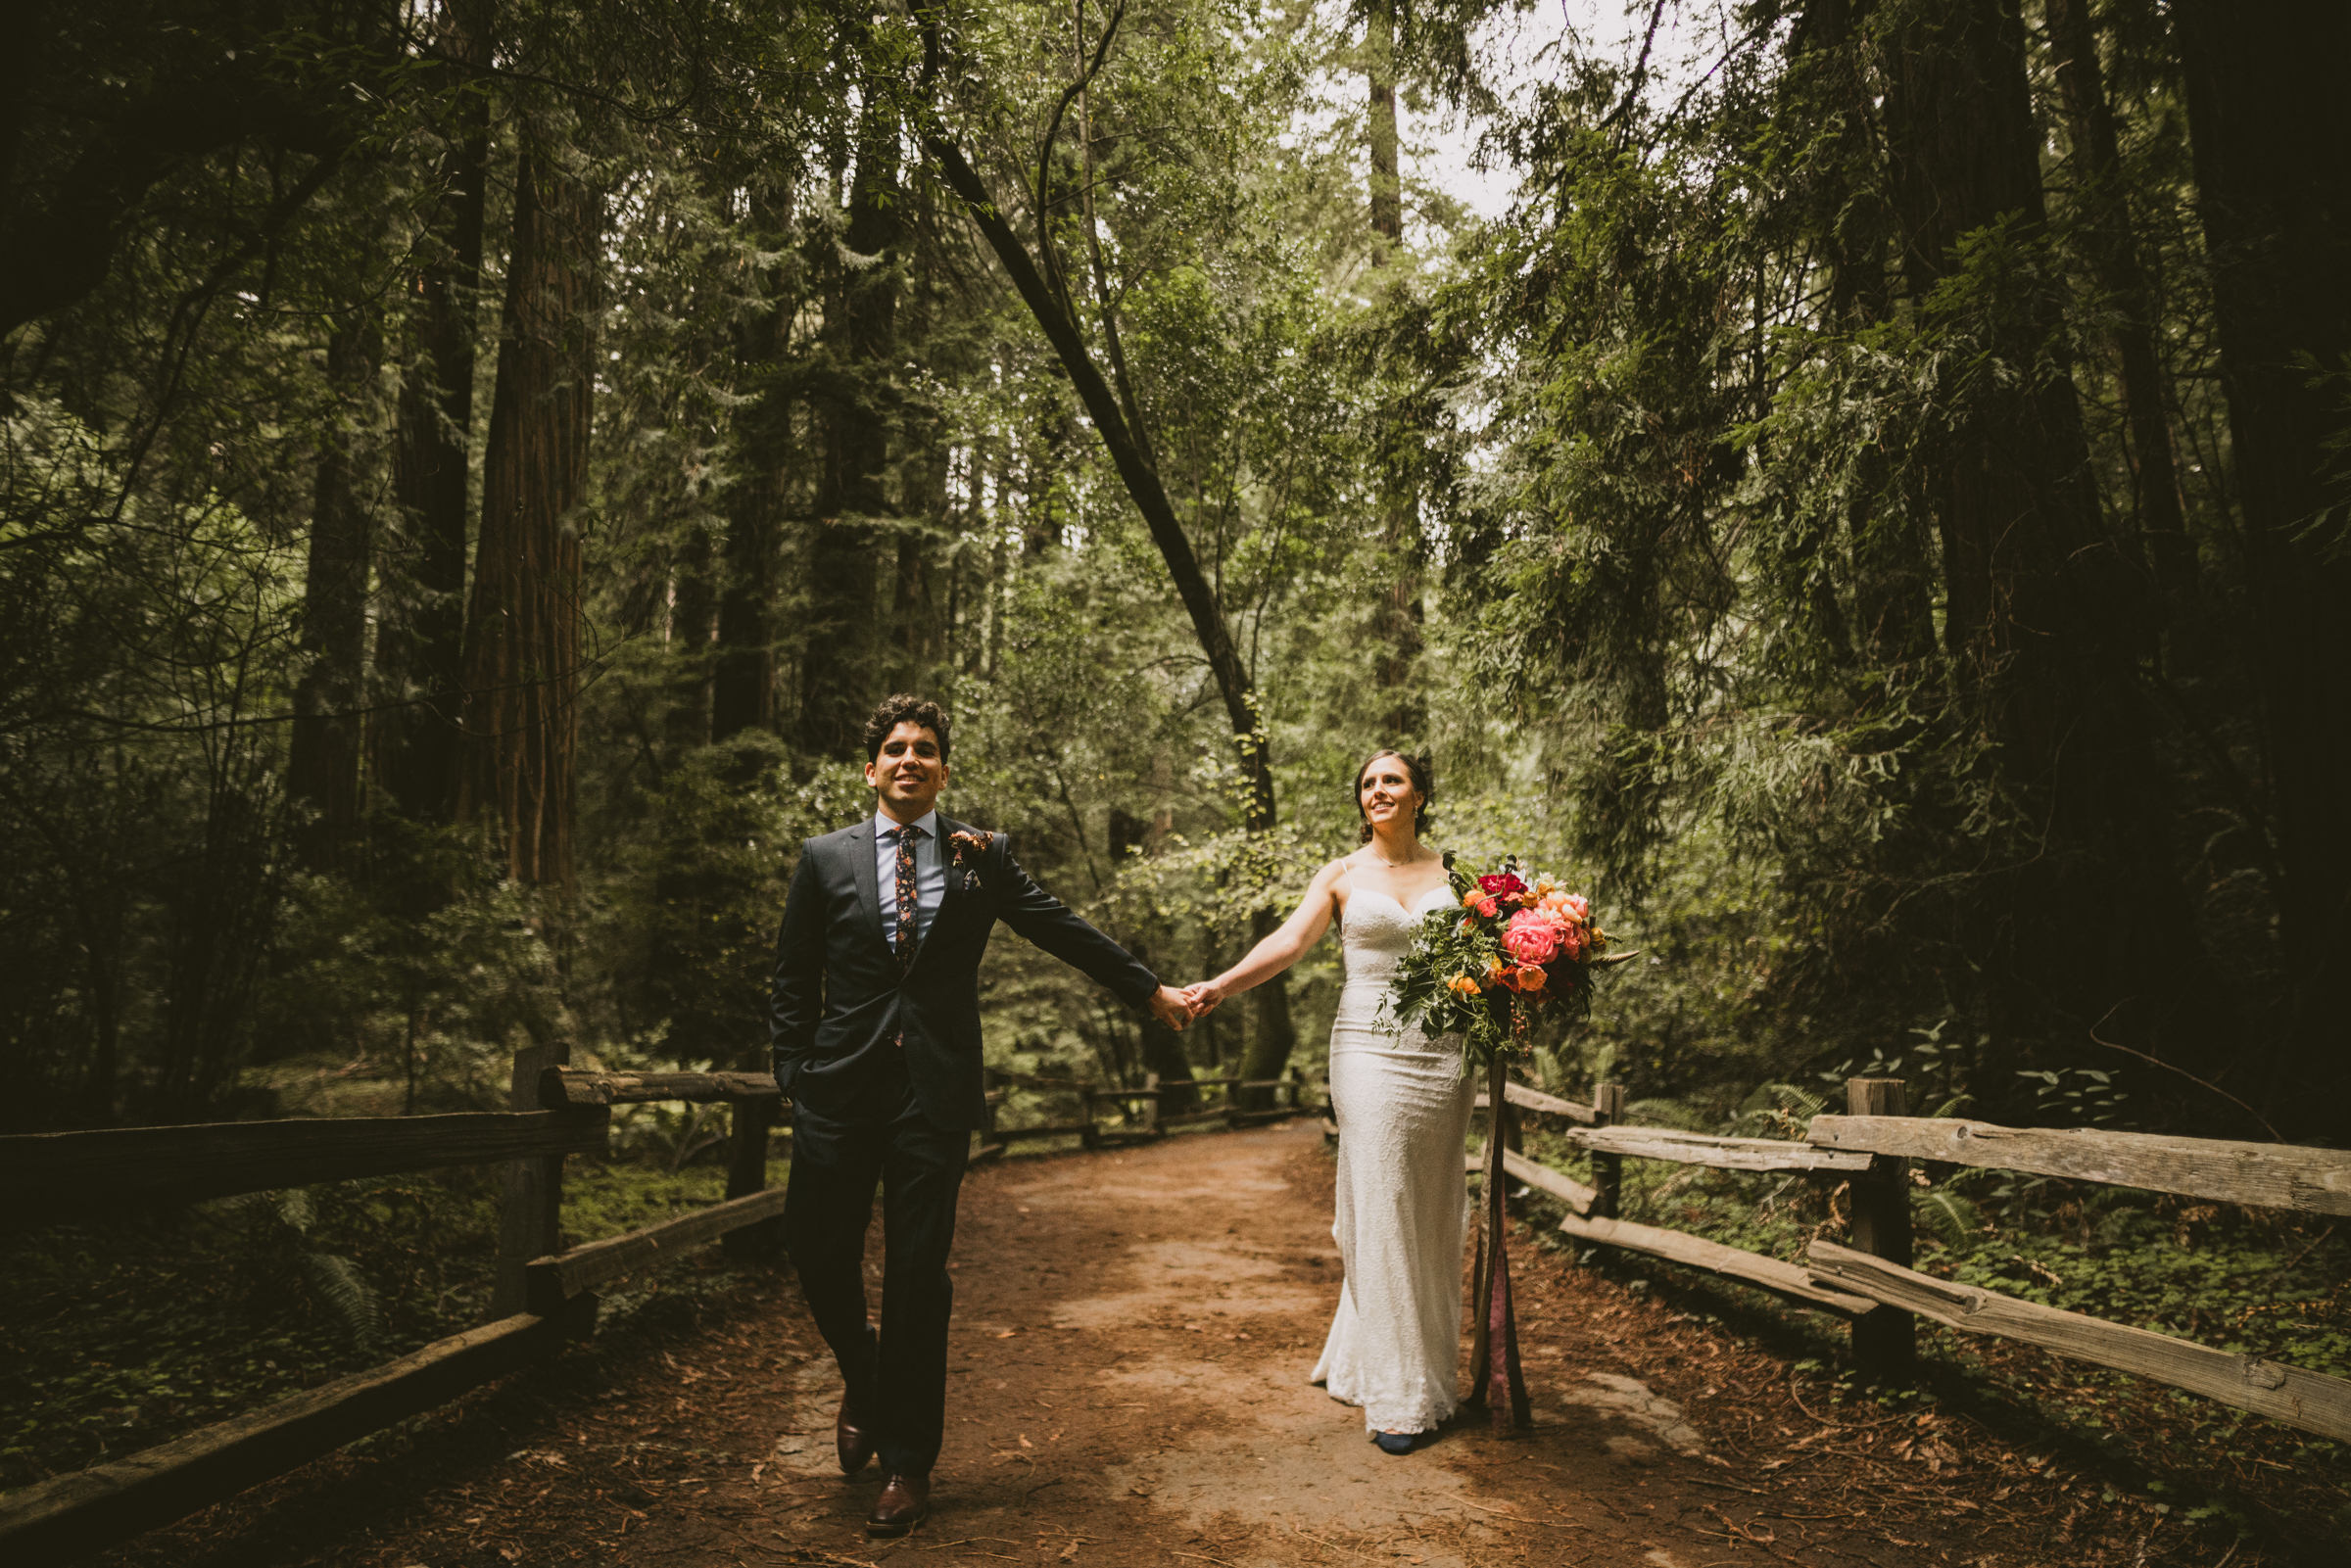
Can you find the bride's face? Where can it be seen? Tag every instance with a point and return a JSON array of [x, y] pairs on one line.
[[1386, 793]]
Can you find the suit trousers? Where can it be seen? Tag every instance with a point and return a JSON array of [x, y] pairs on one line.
[[897, 1385]]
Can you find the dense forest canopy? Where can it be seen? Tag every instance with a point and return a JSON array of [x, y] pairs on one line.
[[1872, 509]]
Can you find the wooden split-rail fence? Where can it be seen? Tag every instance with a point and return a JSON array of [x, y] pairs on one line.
[[1871, 1283], [544, 1295]]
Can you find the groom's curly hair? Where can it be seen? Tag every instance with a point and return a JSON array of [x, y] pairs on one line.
[[904, 708], [1423, 784]]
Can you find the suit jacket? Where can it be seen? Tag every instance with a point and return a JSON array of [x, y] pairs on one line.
[[837, 1002]]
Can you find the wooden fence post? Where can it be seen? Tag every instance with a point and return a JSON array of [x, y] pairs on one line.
[[751, 1123], [1607, 1170], [1151, 1106], [530, 1213], [1885, 1338]]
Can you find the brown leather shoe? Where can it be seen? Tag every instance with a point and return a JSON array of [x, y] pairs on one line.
[[851, 1441], [906, 1502]]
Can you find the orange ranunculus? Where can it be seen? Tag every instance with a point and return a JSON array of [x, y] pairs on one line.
[[1463, 985], [1487, 906], [1469, 899], [1531, 978]]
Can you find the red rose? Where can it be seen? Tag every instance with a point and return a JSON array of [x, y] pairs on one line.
[[1499, 886]]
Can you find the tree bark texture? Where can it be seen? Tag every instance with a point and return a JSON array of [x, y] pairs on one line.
[[1387, 190], [522, 664], [322, 767], [742, 682], [2113, 248], [2273, 162], [2090, 925], [422, 646], [839, 660]]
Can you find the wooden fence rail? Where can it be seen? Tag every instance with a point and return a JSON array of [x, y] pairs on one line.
[[47, 1171], [2256, 1175], [1872, 1283], [544, 1293]]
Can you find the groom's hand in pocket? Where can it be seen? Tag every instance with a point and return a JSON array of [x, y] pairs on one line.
[[1169, 1007]]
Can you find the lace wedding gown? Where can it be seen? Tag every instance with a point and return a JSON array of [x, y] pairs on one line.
[[1404, 1112]]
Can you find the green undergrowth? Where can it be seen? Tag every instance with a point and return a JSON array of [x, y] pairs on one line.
[[115, 1337], [2249, 1282]]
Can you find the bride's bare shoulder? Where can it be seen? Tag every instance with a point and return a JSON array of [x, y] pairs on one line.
[[1334, 870]]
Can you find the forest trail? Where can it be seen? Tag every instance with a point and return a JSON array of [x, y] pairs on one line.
[[1133, 1336]]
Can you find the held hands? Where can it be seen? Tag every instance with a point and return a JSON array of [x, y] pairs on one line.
[[1202, 997], [1170, 1007]]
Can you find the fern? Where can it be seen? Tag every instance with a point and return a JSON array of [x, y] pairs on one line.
[[296, 1210], [340, 1287], [1664, 1114], [1954, 1220]]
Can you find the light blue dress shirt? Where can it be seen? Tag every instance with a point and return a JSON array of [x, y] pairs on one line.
[[929, 874]]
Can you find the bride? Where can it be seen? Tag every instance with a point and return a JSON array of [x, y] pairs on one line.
[[1403, 1108]]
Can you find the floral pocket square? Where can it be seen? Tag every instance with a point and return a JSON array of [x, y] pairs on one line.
[[968, 846]]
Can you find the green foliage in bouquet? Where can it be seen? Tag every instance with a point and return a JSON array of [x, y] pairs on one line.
[[1512, 945]]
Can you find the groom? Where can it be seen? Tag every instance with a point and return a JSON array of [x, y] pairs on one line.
[[874, 1014]]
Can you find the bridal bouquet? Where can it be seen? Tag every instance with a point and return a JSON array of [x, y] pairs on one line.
[[1515, 945]]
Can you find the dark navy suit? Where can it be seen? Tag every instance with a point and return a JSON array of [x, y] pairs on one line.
[[881, 1063]]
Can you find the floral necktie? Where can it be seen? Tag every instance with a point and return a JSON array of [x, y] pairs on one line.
[[906, 894]]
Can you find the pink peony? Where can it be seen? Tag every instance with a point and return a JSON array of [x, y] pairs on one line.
[[1577, 908], [1531, 937]]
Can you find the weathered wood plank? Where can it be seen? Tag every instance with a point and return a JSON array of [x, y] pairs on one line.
[[1556, 1183], [1550, 1105], [1695, 1252], [1721, 1154], [74, 1515], [78, 1170], [559, 1087], [2311, 1401], [2259, 1175], [554, 1280]]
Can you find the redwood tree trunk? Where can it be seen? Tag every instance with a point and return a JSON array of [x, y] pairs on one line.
[[2086, 929], [422, 646], [2113, 249], [323, 769], [743, 689], [523, 636], [2273, 161], [841, 659]]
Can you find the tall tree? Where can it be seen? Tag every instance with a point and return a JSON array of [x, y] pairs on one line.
[[2041, 619], [1107, 391], [743, 682], [2273, 162], [421, 650], [322, 767], [2158, 511], [841, 652], [523, 656]]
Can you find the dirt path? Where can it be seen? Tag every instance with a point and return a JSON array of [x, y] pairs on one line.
[[1132, 1340]]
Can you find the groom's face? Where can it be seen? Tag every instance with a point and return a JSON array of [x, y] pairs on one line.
[[909, 773]]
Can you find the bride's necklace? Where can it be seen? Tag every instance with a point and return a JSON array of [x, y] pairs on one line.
[[1384, 860]]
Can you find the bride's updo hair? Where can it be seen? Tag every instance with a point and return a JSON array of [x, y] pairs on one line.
[[1416, 770]]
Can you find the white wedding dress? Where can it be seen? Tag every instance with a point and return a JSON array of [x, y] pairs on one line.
[[1403, 1204]]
